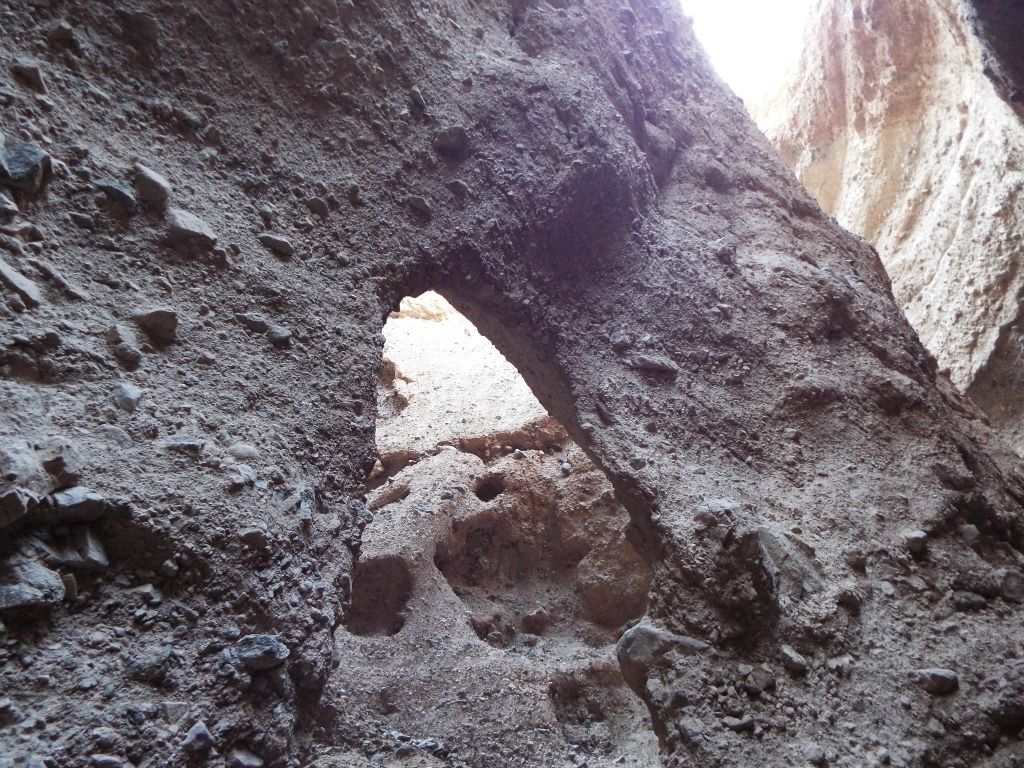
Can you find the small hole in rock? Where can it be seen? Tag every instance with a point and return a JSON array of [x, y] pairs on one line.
[[488, 490]]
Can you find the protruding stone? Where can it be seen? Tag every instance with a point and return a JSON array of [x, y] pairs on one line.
[[254, 538], [937, 681], [78, 505], [186, 230], [793, 662], [27, 583], [28, 73], [254, 321], [127, 396], [159, 323], [23, 166], [155, 192], [1011, 584], [242, 758], [117, 193], [259, 652], [92, 555], [198, 739], [278, 245], [279, 336], [26, 289], [452, 142], [653, 363], [644, 646], [915, 541]]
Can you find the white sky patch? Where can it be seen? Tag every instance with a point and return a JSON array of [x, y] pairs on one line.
[[751, 43]]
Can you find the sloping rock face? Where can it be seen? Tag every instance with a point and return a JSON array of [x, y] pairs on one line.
[[609, 216], [905, 123]]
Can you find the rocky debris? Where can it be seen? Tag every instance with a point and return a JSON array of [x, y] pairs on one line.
[[452, 142], [242, 758], [260, 652], [23, 166], [159, 323], [1011, 584], [30, 74], [278, 245], [916, 542], [279, 336], [60, 34], [26, 290], [938, 682], [254, 321], [27, 583], [254, 538], [8, 208], [123, 347], [79, 505], [198, 739], [154, 192], [118, 194], [127, 396], [644, 646], [653, 363], [151, 666], [792, 661], [186, 230]]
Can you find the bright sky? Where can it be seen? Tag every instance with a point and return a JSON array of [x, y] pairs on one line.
[[751, 43]]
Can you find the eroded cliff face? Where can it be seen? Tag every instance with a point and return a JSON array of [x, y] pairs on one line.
[[817, 514], [905, 123]]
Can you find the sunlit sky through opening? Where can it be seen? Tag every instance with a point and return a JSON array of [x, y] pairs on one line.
[[751, 43]]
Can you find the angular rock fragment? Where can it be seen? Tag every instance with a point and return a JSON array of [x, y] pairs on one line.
[[242, 758], [92, 555], [26, 289], [27, 583], [78, 505], [279, 336], [937, 681], [644, 646], [277, 244], [653, 363], [198, 739], [452, 142], [23, 166], [117, 193], [254, 321], [259, 652], [127, 396], [159, 323], [154, 192], [186, 230], [28, 73]]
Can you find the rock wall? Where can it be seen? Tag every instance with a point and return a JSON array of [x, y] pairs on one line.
[[575, 179], [905, 123]]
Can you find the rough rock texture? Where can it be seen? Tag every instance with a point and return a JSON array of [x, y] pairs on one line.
[[730, 358], [905, 123]]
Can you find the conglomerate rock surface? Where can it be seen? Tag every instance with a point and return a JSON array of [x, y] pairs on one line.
[[189, 367], [905, 122]]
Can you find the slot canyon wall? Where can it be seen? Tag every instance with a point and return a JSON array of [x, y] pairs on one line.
[[905, 122], [208, 212]]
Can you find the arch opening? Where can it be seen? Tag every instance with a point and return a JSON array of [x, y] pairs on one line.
[[517, 567]]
